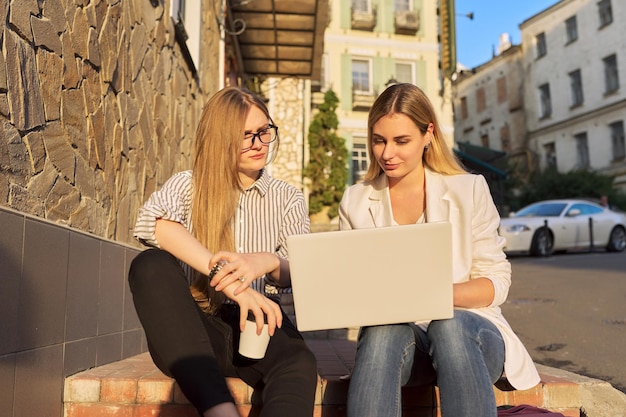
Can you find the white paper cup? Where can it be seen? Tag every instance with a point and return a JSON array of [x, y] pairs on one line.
[[252, 345]]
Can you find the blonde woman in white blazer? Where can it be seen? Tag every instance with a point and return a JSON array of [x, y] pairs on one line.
[[414, 177]]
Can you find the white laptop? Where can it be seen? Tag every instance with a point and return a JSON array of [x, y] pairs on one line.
[[366, 277]]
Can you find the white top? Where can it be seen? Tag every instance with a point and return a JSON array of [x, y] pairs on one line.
[[477, 249]]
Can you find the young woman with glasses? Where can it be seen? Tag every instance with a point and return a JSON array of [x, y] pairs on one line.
[[218, 253]]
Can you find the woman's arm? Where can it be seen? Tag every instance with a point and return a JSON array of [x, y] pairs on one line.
[[475, 293], [490, 273], [176, 239]]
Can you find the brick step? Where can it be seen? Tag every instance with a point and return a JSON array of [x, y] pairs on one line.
[[134, 387]]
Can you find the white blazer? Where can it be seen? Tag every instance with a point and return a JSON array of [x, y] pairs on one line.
[[477, 249]]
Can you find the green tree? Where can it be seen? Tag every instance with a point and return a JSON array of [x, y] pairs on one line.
[[551, 184], [328, 159]]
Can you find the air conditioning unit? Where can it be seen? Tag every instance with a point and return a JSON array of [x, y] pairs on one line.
[[363, 20], [407, 22]]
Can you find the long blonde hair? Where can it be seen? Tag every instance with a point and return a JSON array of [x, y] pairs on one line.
[[410, 100], [216, 181]]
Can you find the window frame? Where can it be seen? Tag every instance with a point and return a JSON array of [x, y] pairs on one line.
[[408, 3], [545, 101], [411, 65], [541, 45], [505, 138], [360, 157], [370, 81], [549, 150], [571, 29], [618, 140], [605, 13], [481, 99], [367, 3], [576, 88], [611, 74], [464, 112], [582, 150], [501, 89], [188, 29]]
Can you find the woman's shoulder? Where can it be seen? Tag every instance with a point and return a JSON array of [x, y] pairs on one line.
[[358, 188], [377, 183], [181, 175], [461, 180], [282, 186], [178, 180]]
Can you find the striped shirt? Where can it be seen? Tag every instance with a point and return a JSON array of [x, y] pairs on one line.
[[268, 211]]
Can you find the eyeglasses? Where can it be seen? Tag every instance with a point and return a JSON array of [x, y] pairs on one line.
[[265, 136]]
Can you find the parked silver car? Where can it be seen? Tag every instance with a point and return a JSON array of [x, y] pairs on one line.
[[558, 225]]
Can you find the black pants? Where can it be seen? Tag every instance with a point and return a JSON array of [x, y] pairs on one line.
[[198, 350]]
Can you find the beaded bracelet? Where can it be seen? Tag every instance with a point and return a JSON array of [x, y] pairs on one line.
[[216, 268]]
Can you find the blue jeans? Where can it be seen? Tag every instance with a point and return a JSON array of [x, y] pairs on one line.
[[464, 355]]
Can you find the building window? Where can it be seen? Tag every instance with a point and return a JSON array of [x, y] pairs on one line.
[[361, 80], [359, 161], [481, 99], [605, 12], [550, 153], [463, 108], [484, 140], [617, 140], [571, 29], [501, 87], [582, 151], [542, 47], [404, 72], [576, 85], [544, 100], [402, 5], [361, 6], [505, 140], [187, 17], [611, 76]]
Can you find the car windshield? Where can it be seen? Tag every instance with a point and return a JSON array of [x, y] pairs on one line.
[[542, 210]]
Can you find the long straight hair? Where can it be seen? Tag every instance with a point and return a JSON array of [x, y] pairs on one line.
[[411, 101], [216, 181]]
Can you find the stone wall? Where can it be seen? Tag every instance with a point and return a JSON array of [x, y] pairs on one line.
[[97, 108], [286, 105]]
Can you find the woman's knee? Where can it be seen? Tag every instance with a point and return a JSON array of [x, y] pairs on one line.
[[461, 325], [385, 341], [148, 265], [464, 332], [306, 363], [391, 334], [299, 365]]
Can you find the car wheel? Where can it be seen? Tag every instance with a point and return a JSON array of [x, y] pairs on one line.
[[542, 243], [617, 240]]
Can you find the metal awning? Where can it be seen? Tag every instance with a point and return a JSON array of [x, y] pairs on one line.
[[278, 37]]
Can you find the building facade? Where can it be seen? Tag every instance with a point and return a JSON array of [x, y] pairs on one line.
[[489, 104], [565, 103], [575, 61], [370, 44]]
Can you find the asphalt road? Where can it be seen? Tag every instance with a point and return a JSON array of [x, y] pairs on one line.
[[570, 312]]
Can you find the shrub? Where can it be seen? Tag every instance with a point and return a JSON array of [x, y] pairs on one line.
[[551, 184], [328, 159]]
